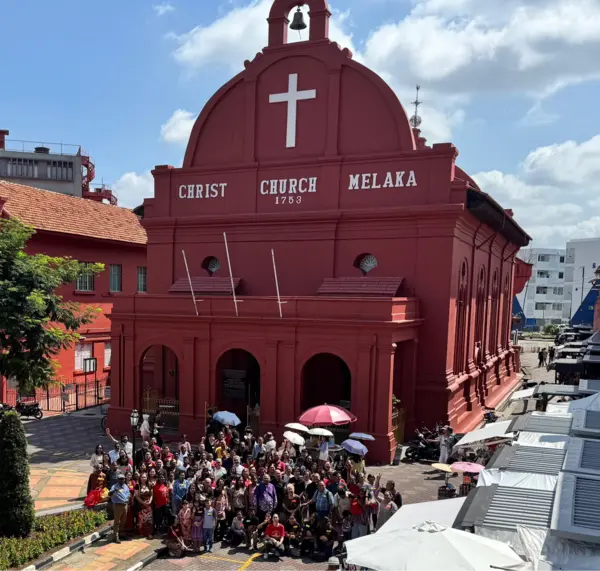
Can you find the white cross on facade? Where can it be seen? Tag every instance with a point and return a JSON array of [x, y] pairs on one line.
[[291, 98]]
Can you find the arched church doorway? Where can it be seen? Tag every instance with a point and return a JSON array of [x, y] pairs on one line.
[[238, 386], [326, 379], [159, 374]]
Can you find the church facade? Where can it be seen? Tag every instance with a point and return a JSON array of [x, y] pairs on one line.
[[334, 257]]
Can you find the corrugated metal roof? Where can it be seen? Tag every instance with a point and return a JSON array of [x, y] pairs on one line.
[[542, 423], [586, 422], [510, 507], [576, 513], [384, 287], [583, 455], [505, 507], [558, 390], [529, 459]]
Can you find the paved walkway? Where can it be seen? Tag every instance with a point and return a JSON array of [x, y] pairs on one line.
[[59, 449]]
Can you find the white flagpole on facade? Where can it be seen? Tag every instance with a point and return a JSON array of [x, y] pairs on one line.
[[235, 301], [187, 269], [279, 302]]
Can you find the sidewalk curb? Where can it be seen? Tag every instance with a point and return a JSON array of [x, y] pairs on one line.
[[148, 559], [66, 551]]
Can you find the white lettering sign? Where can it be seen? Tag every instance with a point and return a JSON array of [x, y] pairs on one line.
[[214, 190], [288, 190], [372, 181], [291, 98]]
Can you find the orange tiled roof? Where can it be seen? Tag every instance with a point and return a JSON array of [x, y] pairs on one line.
[[64, 214]]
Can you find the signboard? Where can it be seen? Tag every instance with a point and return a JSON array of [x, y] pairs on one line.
[[89, 365], [234, 384], [107, 392]]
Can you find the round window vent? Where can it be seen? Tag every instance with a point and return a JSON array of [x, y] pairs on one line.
[[367, 263]]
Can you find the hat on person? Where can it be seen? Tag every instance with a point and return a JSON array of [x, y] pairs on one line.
[[121, 476]]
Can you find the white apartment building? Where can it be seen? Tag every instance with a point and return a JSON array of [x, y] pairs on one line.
[[543, 300], [583, 257]]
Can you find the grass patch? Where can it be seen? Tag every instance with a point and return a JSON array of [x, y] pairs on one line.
[[49, 532]]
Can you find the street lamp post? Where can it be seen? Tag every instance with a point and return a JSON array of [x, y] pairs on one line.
[[133, 419]]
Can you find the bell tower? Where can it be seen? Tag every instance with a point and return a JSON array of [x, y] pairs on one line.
[[279, 20]]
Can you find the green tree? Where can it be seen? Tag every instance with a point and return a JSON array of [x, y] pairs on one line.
[[35, 322], [17, 513]]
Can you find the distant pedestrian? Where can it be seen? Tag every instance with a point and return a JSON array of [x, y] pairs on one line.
[[540, 358], [545, 355], [551, 353]]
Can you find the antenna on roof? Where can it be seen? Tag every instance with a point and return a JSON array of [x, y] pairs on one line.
[[415, 120]]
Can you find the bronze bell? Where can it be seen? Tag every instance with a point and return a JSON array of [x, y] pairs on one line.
[[298, 21]]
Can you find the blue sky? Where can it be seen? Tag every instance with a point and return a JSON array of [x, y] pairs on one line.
[[512, 86]]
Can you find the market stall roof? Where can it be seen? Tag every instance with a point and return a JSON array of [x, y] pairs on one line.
[[495, 430], [591, 358], [524, 394], [541, 439], [571, 350], [558, 390], [589, 385], [505, 508], [527, 480], [528, 459], [542, 422], [576, 513], [568, 365], [442, 511], [583, 456], [594, 339]]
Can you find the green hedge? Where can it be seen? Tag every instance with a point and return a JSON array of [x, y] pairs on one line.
[[49, 532]]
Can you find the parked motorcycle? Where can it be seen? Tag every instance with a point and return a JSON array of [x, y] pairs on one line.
[[28, 409], [489, 415], [422, 449]]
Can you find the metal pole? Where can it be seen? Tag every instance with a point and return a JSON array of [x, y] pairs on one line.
[[133, 447], [235, 301], [582, 280], [190, 281], [279, 302]]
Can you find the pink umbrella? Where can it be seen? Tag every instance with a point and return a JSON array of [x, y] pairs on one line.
[[326, 415], [469, 467]]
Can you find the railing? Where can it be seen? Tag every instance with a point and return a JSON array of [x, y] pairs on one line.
[[64, 398], [29, 147], [152, 404]]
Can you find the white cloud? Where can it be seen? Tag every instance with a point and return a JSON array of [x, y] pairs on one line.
[[132, 188], [555, 192], [178, 127], [537, 116], [162, 9]]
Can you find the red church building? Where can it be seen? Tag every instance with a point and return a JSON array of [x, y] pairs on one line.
[[87, 231], [304, 179]]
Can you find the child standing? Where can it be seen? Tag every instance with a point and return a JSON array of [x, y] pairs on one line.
[[197, 526], [208, 526]]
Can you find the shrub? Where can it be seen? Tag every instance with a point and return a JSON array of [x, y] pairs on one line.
[[551, 330], [16, 506], [48, 533]]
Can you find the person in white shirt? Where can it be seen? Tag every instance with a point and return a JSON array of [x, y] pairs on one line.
[[114, 453], [237, 467], [259, 448], [125, 444], [270, 444], [218, 470]]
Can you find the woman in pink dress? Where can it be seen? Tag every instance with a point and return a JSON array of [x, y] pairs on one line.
[[186, 521]]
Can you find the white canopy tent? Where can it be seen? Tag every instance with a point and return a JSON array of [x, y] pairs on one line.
[[492, 431], [441, 511], [431, 546], [543, 440], [507, 478]]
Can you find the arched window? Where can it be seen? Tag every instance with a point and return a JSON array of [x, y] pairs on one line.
[[460, 335], [365, 263], [494, 315], [479, 315], [211, 265]]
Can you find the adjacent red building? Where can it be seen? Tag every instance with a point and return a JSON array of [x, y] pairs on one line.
[[87, 231], [395, 270]]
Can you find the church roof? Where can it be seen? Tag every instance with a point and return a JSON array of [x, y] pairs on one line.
[[64, 214]]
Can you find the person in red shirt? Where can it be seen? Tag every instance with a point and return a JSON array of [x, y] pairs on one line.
[[274, 536], [161, 503]]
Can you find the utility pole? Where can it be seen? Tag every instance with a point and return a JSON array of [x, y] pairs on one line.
[[582, 281]]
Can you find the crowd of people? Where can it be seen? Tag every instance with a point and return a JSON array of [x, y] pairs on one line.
[[240, 489]]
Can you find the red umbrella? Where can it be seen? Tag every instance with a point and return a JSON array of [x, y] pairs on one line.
[[326, 415]]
